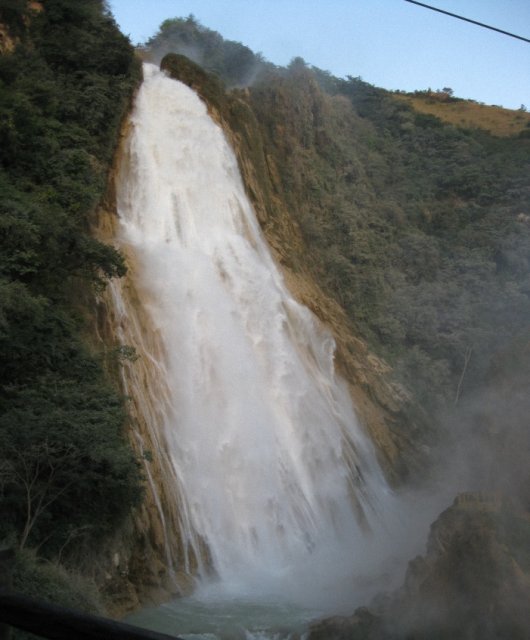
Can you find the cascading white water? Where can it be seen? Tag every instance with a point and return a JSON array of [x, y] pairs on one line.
[[275, 473]]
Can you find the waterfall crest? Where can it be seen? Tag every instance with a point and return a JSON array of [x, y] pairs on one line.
[[273, 485]]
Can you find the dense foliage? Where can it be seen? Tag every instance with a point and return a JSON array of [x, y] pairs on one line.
[[421, 229], [66, 473]]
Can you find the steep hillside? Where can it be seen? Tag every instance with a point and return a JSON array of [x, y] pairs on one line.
[[419, 230], [67, 476]]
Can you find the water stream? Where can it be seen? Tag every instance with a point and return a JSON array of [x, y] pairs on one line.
[[266, 465]]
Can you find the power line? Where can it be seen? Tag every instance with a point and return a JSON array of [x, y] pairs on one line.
[[480, 24]]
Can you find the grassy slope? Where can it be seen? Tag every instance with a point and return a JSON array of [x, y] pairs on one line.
[[468, 114]]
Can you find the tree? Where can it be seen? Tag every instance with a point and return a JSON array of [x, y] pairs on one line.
[[64, 460], [43, 471]]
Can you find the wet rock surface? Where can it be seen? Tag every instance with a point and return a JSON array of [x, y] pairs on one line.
[[473, 582]]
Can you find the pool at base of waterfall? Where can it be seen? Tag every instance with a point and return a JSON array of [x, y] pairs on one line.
[[216, 618]]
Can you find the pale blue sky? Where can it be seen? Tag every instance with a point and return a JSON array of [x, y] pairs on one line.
[[389, 43]]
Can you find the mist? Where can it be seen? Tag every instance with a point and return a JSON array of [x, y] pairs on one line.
[[233, 62]]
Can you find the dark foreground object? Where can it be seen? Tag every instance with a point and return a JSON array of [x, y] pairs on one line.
[[473, 583], [57, 623]]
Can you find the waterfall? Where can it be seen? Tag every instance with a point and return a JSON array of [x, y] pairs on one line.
[[270, 485]]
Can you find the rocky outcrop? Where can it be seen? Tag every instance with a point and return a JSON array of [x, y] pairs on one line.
[[473, 582], [7, 42], [475, 578], [363, 625]]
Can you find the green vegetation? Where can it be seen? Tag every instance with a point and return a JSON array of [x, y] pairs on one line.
[[67, 474], [209, 87], [417, 227], [40, 578], [235, 63]]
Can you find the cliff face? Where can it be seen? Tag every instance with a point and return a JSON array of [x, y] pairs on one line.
[[383, 405], [473, 581], [7, 43], [10, 28], [474, 576]]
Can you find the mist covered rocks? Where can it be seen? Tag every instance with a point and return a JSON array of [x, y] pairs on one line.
[[473, 582], [363, 625]]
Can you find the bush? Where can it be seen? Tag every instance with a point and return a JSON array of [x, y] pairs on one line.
[[45, 580]]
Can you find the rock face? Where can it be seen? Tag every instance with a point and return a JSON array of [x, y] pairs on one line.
[[9, 40], [473, 582], [363, 625], [7, 43]]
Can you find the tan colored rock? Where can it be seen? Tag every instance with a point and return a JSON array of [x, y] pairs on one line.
[[7, 42]]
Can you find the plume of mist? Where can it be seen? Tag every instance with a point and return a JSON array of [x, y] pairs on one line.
[[234, 63], [488, 432]]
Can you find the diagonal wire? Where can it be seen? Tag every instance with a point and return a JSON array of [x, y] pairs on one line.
[[480, 24]]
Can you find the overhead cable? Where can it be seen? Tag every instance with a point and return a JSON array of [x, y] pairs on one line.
[[480, 24]]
